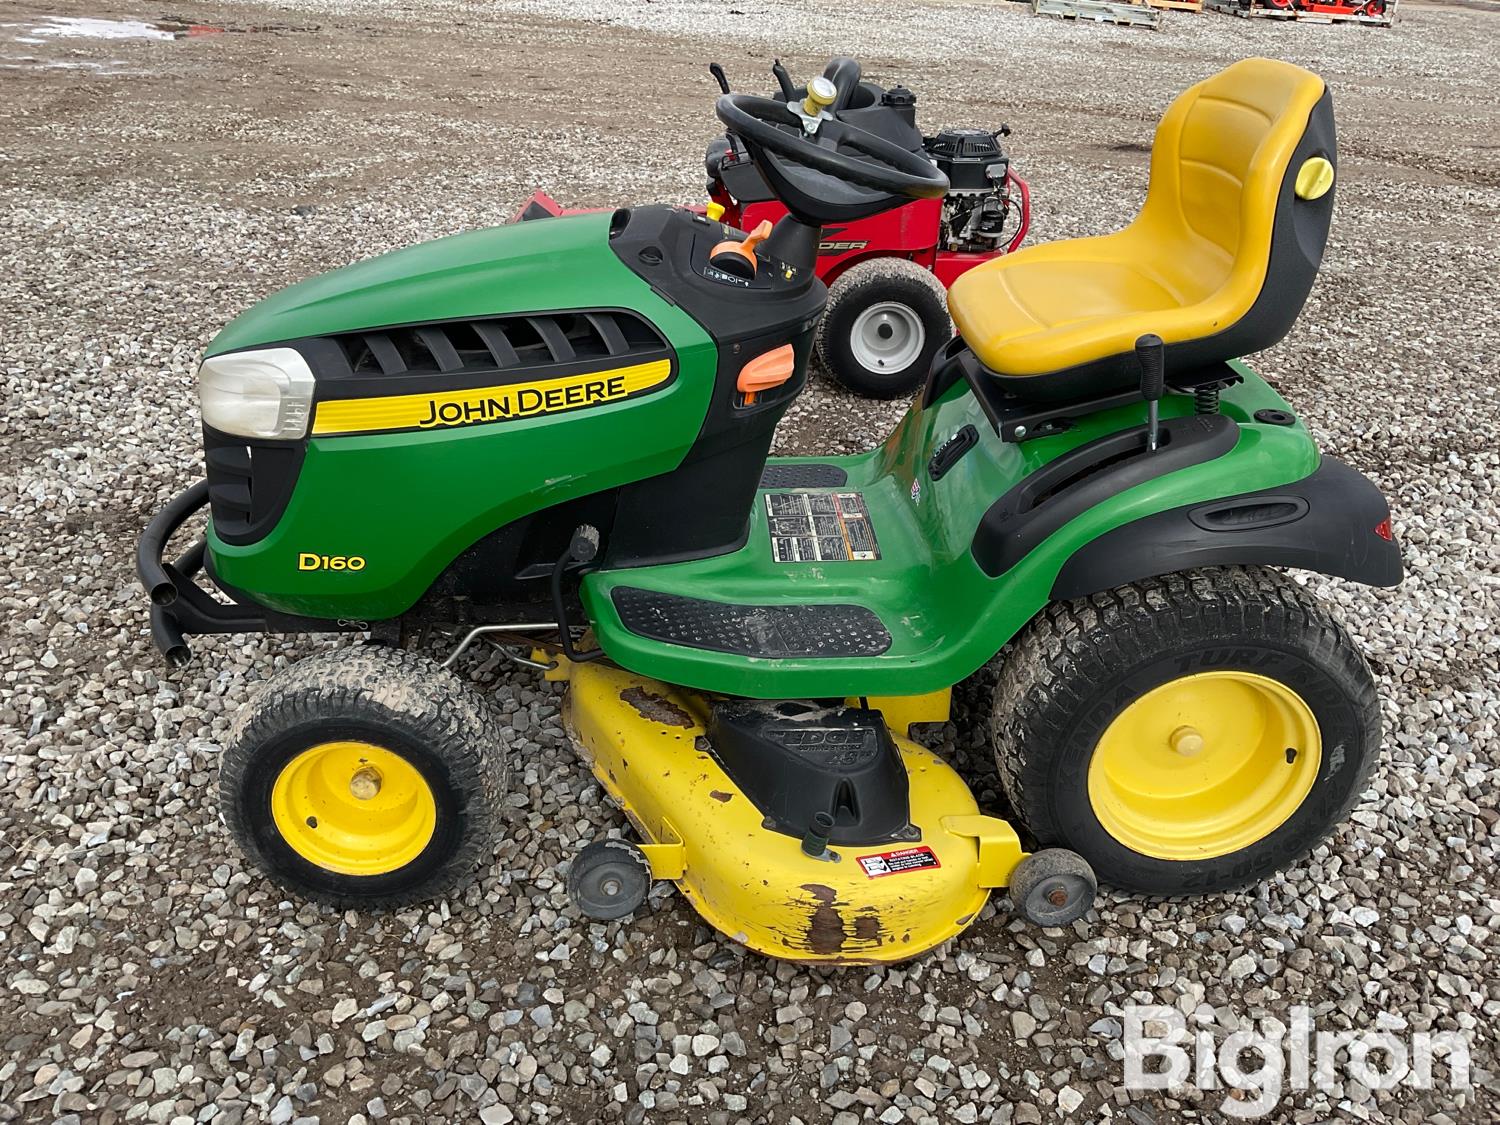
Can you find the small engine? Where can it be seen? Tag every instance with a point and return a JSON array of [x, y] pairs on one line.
[[978, 202]]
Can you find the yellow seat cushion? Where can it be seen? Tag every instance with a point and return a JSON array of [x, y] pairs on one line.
[[1190, 265]]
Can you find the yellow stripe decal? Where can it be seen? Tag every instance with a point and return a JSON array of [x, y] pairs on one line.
[[450, 409]]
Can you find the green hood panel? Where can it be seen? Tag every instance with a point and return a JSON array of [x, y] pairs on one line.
[[406, 504], [538, 266]]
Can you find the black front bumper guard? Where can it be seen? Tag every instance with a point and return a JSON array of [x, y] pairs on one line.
[[180, 607]]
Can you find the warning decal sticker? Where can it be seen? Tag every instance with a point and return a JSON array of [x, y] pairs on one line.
[[898, 862], [820, 527]]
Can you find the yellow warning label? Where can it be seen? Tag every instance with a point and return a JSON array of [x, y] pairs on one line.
[[448, 409]]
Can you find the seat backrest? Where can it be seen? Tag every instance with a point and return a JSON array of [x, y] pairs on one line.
[[1240, 198]]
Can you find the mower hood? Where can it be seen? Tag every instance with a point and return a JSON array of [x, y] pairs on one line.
[[519, 268]]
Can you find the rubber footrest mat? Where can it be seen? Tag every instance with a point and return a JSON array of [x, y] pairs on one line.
[[803, 476], [776, 632]]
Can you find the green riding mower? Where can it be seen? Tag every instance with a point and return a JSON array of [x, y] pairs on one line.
[[553, 436]]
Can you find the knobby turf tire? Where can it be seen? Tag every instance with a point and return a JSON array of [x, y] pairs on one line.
[[403, 701], [856, 289], [1079, 663]]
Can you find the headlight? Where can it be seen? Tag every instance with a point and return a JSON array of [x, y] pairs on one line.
[[260, 394]]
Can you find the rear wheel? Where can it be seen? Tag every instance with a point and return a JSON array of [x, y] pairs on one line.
[[365, 777], [1187, 733], [885, 321]]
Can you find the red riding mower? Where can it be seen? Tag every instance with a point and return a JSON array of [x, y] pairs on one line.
[[887, 274]]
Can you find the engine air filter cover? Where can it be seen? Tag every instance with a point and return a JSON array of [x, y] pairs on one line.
[[965, 155]]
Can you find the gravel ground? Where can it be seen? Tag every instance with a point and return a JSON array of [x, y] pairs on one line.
[[153, 187]]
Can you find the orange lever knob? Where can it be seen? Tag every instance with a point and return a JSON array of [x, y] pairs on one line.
[[738, 257], [766, 371]]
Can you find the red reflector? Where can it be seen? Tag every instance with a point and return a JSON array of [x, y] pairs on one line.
[[1383, 529]]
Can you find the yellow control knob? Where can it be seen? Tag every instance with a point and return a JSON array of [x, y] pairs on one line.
[[820, 95], [1314, 178], [714, 211]]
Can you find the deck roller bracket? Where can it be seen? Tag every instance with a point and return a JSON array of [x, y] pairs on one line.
[[668, 858], [999, 847]]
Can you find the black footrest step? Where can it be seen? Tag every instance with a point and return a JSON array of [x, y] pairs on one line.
[[803, 476], [776, 632]]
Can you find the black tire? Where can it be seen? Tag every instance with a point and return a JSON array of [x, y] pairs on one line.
[[403, 703], [609, 879], [1079, 664], [864, 286]]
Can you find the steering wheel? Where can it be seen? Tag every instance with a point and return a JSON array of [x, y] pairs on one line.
[[841, 172]]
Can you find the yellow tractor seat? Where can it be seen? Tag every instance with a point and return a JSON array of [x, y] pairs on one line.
[[1218, 263]]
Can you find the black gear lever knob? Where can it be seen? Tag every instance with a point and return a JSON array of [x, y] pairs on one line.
[[1148, 353], [1153, 364]]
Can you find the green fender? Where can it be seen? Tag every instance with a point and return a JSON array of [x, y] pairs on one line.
[[945, 615]]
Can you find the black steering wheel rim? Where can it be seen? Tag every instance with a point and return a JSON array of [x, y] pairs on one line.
[[898, 172]]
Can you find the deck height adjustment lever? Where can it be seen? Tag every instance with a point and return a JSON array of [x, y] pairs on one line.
[[583, 548], [951, 452], [1148, 353]]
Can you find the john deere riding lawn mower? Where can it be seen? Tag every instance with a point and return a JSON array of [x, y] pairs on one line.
[[553, 436]]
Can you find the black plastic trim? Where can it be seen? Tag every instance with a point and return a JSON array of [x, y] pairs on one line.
[[1333, 531], [250, 482], [795, 759], [952, 451], [803, 476], [772, 632], [541, 349], [1065, 488]]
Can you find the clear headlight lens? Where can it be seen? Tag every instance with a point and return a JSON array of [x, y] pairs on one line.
[[260, 394]]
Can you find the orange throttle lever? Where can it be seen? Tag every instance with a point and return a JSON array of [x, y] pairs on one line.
[[764, 372], [738, 258]]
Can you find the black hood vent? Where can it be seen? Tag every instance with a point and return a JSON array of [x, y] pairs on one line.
[[496, 344]]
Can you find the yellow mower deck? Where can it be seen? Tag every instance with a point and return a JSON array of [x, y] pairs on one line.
[[648, 746]]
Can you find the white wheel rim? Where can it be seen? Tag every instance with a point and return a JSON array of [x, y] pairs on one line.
[[887, 337]]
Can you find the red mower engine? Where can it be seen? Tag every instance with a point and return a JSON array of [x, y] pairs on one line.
[[978, 207], [887, 273]]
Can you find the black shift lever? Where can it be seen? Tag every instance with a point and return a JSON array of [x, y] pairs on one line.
[[1148, 353]]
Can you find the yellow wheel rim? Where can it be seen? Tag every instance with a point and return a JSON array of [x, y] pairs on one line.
[[353, 808], [1204, 765]]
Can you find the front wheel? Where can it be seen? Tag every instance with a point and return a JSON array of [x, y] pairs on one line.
[[886, 320], [1188, 733], [365, 777]]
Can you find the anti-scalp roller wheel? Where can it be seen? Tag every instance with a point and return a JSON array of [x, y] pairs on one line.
[[610, 879], [1053, 887]]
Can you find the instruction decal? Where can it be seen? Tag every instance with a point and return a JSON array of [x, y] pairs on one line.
[[898, 862], [820, 527]]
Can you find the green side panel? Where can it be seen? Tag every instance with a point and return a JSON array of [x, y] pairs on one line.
[[409, 503], [540, 266], [945, 615]]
